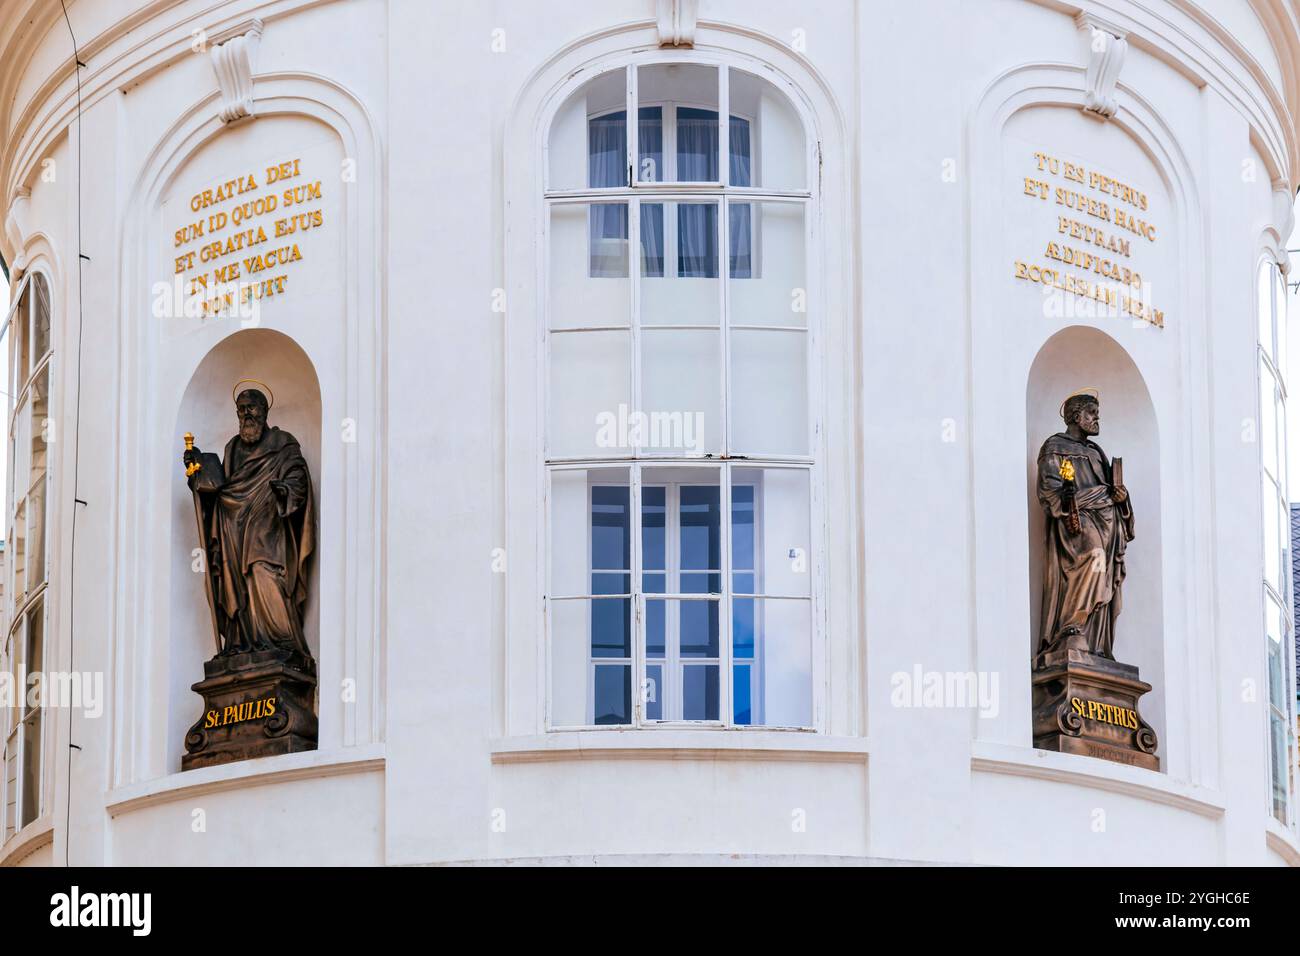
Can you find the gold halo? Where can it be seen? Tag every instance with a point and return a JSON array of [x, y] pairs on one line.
[[1086, 390], [270, 395]]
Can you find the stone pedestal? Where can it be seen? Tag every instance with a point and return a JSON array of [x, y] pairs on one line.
[[254, 705], [1085, 704]]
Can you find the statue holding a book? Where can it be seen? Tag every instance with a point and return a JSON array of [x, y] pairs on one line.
[[1089, 525]]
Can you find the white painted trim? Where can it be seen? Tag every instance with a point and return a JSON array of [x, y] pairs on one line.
[[678, 743], [244, 775], [1093, 774]]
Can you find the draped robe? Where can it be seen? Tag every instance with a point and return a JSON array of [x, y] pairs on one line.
[[258, 543], [1083, 572]]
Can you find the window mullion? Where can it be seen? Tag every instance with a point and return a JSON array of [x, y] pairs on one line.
[[638, 600]]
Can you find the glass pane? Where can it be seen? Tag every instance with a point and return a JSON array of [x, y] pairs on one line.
[[653, 692], [768, 284], [1268, 420], [688, 94], [1272, 535], [612, 694], [34, 662], [1276, 679], [1278, 764], [591, 390], [590, 532], [700, 692], [40, 317], [588, 275], [771, 531], [698, 629], [742, 694], [650, 144], [1264, 305], [697, 243], [16, 551], [701, 538], [590, 648], [1280, 310], [607, 150], [11, 785], [776, 636], [681, 387], [654, 554], [769, 393], [679, 264], [767, 145], [21, 341], [31, 761], [572, 143]]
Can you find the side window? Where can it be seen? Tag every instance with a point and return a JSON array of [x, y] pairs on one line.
[[25, 548]]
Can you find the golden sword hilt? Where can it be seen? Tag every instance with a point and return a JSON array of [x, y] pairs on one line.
[[191, 468]]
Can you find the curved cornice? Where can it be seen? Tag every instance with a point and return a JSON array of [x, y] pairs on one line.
[[1180, 32]]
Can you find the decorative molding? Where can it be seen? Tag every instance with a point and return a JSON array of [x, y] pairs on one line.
[[244, 774], [1283, 220], [663, 744], [234, 53], [1108, 44], [1074, 770], [16, 227], [676, 20]]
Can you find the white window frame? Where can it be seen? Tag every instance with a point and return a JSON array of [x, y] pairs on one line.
[[20, 607], [1269, 368], [633, 194]]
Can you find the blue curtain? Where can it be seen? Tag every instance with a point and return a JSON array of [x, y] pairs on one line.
[[697, 161]]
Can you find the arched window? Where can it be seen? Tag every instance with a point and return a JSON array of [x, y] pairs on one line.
[[25, 547], [679, 449], [1278, 621]]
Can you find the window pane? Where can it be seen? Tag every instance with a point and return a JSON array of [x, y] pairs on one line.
[[11, 785], [689, 291], [590, 530], [697, 245], [653, 692], [40, 317], [612, 702], [590, 379], [31, 760], [689, 93], [742, 694], [571, 143], [607, 150], [1264, 305], [653, 533], [1280, 299], [768, 284], [1268, 420], [701, 537], [588, 274], [776, 131], [1278, 764], [590, 681], [22, 341], [650, 144], [34, 661], [698, 629], [681, 386], [770, 531], [776, 635], [700, 692], [16, 552], [1272, 535], [769, 393]]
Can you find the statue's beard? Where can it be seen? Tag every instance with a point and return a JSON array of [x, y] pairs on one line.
[[250, 432]]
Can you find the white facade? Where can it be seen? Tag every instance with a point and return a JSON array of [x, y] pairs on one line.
[[857, 293]]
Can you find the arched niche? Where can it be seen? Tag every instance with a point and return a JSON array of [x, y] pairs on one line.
[[1073, 358], [208, 411]]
